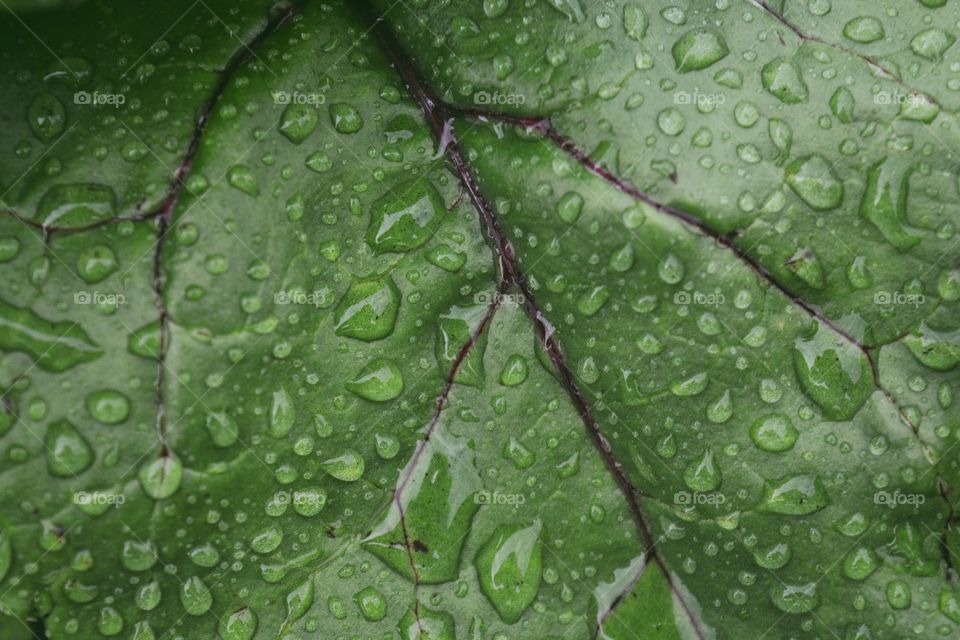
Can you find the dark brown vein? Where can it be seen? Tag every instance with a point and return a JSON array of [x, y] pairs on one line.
[[804, 36], [442, 400], [439, 118], [545, 127], [165, 210], [49, 230]]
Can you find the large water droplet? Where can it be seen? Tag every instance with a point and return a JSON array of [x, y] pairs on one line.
[[795, 496], [509, 566], [774, 432], [161, 478], [298, 121], [405, 218], [282, 413], [698, 49], [368, 310], [812, 178], [195, 596], [379, 381], [782, 78], [68, 452]]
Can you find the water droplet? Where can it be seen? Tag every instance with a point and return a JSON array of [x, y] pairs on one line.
[[833, 372], [46, 116], [860, 563], [300, 600], [195, 596], [345, 118], [348, 466], [703, 474], [514, 371], [782, 78], [379, 381], [692, 386], [931, 44], [148, 596], [242, 178], [239, 625], [774, 432], [298, 121], [161, 478], [671, 122], [309, 502], [698, 49], [439, 500], [720, 410], [509, 568], [96, 263], [108, 406], [372, 604], [813, 180], [205, 555], [670, 269], [76, 205], [797, 496], [863, 29], [405, 218], [455, 329], [222, 428], [795, 599], [368, 310], [110, 622], [319, 162], [884, 203], [899, 595], [68, 452], [138, 555], [774, 557], [593, 300], [570, 206], [282, 413], [419, 622], [446, 258], [635, 21]]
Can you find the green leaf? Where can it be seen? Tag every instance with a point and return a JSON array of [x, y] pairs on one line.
[[489, 319]]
